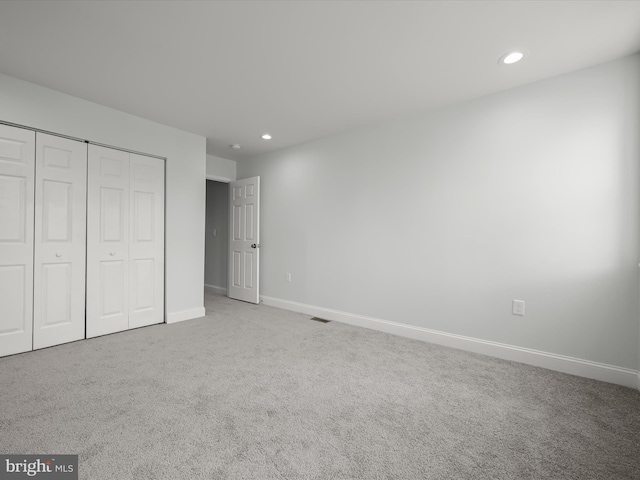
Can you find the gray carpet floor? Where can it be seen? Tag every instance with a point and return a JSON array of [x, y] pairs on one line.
[[253, 392]]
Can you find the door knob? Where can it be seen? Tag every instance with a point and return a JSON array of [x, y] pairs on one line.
[[112, 253], [255, 245], [58, 255]]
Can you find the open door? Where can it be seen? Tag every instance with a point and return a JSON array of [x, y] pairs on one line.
[[244, 240]]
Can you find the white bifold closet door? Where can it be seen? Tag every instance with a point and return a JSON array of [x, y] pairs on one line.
[[146, 241], [125, 241], [16, 239], [60, 240]]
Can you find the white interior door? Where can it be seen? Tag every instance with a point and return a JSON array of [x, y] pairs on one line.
[[17, 152], [107, 241], [146, 248], [60, 241], [244, 240]]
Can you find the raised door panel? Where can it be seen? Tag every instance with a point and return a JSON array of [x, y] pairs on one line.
[[107, 241], [235, 280], [146, 249], [17, 170], [143, 217], [113, 215], [13, 209], [57, 292], [236, 269], [249, 281], [113, 289], [60, 241], [13, 296], [57, 209]]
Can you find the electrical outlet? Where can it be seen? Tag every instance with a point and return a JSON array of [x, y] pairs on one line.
[[518, 307], [215, 232], [287, 277]]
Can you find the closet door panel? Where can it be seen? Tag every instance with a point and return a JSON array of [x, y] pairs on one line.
[[60, 241], [17, 152], [146, 249], [107, 241]]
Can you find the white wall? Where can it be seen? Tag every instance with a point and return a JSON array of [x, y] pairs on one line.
[[221, 169], [34, 106], [439, 220], [217, 236]]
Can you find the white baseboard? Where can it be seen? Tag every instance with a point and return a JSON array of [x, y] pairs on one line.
[[215, 289], [176, 317], [551, 361]]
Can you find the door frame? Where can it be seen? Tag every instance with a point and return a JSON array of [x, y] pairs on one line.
[[217, 178], [220, 179]]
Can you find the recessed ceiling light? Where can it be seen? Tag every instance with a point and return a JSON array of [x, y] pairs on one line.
[[511, 57], [266, 136], [235, 146]]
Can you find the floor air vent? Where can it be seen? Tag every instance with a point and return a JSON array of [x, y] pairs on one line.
[[321, 320]]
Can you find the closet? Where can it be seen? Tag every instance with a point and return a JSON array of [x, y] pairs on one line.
[[73, 214]]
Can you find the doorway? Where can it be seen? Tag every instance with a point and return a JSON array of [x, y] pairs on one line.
[[216, 238]]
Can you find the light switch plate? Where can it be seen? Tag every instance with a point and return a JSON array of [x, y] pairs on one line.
[[518, 307]]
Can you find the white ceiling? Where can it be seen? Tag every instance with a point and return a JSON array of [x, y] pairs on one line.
[[301, 70]]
